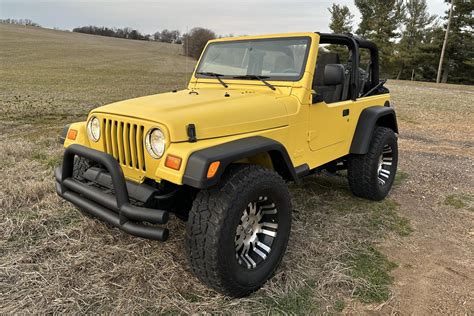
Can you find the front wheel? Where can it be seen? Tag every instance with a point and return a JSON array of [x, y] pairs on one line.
[[238, 231], [371, 175]]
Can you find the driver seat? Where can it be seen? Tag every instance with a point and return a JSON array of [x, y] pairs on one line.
[[327, 73]]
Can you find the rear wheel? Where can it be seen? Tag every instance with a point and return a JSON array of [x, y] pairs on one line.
[[238, 231], [371, 175]]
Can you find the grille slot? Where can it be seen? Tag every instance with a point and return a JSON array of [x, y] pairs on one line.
[[124, 141]]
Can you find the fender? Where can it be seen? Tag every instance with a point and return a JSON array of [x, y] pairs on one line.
[[368, 120], [195, 174], [63, 135]]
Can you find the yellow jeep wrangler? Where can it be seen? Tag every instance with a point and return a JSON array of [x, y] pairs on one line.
[[258, 111]]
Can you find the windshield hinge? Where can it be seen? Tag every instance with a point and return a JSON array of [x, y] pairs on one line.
[[192, 133]]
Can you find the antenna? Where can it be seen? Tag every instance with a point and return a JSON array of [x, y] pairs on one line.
[[186, 45]]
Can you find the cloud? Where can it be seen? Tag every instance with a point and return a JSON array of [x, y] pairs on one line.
[[242, 17]]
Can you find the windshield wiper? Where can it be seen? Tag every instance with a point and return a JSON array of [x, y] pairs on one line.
[[215, 75], [255, 77]]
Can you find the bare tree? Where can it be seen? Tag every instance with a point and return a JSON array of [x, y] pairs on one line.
[[168, 36], [195, 41]]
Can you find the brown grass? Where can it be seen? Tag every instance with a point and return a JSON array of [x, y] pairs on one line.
[[54, 260]]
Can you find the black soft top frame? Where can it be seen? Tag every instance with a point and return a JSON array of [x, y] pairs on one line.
[[355, 43]]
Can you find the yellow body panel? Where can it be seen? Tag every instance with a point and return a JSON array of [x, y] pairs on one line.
[[81, 137], [312, 134], [213, 113]]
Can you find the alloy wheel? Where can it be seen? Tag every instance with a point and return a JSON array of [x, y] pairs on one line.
[[256, 232], [385, 165]]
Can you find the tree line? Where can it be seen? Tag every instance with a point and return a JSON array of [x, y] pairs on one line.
[[126, 32], [193, 42], [26, 22], [165, 36], [410, 39]]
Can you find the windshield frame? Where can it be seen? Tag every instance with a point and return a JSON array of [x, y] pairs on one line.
[[276, 78]]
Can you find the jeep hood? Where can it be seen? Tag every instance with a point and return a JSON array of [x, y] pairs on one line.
[[213, 112]]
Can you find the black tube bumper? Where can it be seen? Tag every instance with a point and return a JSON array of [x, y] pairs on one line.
[[114, 209]]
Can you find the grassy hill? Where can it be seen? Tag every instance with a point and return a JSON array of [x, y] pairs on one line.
[[54, 260], [54, 72]]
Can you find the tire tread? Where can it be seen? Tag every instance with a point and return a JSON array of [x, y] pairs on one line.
[[360, 173], [207, 220]]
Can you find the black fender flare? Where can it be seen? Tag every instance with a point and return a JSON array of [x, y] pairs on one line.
[[370, 118], [63, 135], [195, 174]]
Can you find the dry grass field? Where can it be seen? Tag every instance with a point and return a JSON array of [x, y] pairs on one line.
[[412, 253]]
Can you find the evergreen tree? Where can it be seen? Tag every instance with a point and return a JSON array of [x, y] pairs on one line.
[[429, 54], [459, 58], [416, 34], [380, 22], [341, 19], [341, 23]]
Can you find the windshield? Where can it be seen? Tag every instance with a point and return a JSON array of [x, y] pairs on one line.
[[272, 59]]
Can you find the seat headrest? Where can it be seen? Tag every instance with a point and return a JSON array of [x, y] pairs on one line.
[[333, 75], [329, 58]]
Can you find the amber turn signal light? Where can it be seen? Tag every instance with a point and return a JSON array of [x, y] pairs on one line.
[[211, 172], [72, 134], [173, 162]]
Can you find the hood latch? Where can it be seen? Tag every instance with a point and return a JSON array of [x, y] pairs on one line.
[[192, 133]]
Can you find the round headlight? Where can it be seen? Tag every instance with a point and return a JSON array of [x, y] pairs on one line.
[[155, 143], [93, 129]]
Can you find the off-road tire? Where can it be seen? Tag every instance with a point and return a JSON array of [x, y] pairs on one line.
[[81, 164], [362, 170], [212, 224]]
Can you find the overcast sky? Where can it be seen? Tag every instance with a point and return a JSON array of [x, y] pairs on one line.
[[222, 16]]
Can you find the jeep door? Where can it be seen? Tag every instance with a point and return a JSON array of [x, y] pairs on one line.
[[329, 113]]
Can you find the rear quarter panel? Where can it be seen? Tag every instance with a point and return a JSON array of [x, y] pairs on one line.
[[356, 110]]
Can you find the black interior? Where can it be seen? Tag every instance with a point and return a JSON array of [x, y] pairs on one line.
[[330, 78], [358, 82]]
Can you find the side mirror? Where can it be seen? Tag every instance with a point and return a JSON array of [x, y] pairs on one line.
[[316, 97]]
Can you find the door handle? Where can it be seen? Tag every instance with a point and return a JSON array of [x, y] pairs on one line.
[[345, 112]]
